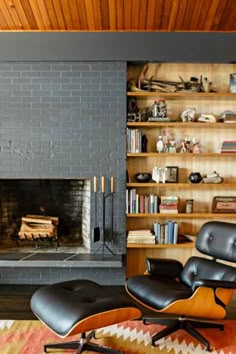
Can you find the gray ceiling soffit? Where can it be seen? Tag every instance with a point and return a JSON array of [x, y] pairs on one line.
[[118, 46]]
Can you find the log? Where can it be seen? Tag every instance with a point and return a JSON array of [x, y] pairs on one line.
[[55, 219], [36, 221]]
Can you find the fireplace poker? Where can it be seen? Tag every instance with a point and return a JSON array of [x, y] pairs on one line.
[[96, 230], [112, 206]]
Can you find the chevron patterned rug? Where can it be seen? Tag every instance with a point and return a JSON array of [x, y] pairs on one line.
[[132, 337]]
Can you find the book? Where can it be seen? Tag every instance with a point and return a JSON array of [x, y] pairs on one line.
[[232, 83]]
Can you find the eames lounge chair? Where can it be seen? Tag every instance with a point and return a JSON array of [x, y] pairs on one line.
[[80, 306], [197, 293]]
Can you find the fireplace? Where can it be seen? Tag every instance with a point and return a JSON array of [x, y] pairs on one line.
[[67, 199]]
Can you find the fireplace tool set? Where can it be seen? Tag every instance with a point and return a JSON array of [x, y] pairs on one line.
[[96, 231]]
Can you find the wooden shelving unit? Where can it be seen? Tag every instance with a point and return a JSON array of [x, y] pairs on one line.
[[210, 135]]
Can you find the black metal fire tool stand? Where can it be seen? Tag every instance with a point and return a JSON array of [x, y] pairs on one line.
[[104, 197]]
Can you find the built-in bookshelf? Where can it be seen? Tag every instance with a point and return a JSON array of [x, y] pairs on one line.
[[213, 138]]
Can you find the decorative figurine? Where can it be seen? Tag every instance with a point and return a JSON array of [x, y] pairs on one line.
[[188, 115], [160, 145], [195, 148], [172, 147], [206, 84]]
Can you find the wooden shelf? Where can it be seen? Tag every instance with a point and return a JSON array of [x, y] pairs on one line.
[[181, 185], [186, 95], [182, 215], [178, 154], [149, 245], [181, 125]]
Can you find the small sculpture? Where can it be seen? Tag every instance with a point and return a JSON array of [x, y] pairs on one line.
[[195, 148], [207, 118], [172, 147], [188, 115], [212, 177], [159, 174], [206, 84], [160, 145]]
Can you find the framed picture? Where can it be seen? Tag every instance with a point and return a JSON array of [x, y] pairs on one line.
[[172, 174], [224, 205]]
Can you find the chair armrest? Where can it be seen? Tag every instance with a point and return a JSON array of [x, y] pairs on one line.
[[214, 284], [164, 267]]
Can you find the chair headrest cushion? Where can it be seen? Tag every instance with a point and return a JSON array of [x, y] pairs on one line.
[[218, 239]]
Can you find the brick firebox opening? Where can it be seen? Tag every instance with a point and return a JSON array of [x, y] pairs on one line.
[[67, 199]]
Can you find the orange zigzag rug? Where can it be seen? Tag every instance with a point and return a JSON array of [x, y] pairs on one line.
[[132, 337]]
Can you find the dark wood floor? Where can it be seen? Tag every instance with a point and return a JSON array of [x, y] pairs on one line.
[[15, 302]]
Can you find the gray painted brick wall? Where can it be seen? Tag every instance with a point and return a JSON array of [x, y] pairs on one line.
[[66, 119]]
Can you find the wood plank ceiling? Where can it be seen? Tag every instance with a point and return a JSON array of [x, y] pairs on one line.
[[118, 15]]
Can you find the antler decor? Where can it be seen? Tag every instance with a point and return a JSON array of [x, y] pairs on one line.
[[155, 85]]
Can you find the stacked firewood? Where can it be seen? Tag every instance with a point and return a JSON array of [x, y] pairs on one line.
[[35, 227]]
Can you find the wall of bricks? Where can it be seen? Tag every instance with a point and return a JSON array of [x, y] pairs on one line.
[[66, 119]]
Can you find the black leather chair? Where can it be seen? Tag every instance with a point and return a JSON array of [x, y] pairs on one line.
[[197, 293], [80, 306]]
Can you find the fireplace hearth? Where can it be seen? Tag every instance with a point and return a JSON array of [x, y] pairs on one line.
[[65, 199]]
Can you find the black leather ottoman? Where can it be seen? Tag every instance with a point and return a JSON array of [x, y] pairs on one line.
[[79, 306]]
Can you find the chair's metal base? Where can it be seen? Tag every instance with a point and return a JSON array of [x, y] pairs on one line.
[[82, 345], [187, 324]]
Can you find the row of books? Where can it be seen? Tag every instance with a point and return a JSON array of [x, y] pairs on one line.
[[168, 204], [134, 140], [141, 236], [150, 204], [138, 203], [228, 146], [166, 233]]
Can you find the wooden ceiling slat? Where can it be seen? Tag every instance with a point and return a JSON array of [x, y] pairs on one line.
[[173, 15], [3, 22], [158, 14], [120, 14], [165, 14], [65, 6], [90, 15], [229, 16], [196, 13], [127, 15], [14, 15], [112, 14], [59, 14], [218, 14], [203, 14], [82, 15], [188, 14], [211, 14], [22, 15], [105, 15], [7, 16], [142, 15], [35, 6], [43, 11], [29, 14], [150, 14], [97, 15], [74, 14], [135, 14], [180, 15], [51, 14]]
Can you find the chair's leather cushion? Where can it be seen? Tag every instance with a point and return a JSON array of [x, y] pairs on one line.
[[157, 292], [218, 239], [197, 268], [66, 305]]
